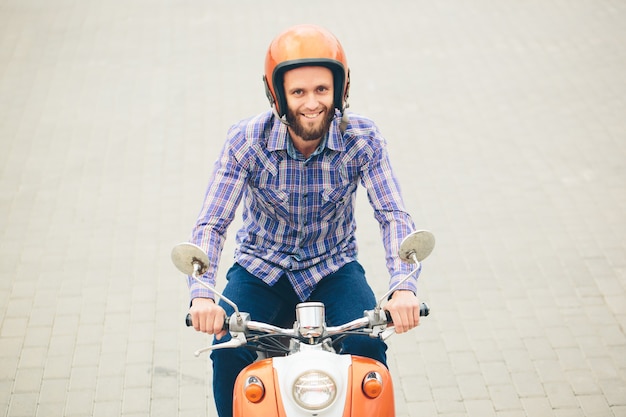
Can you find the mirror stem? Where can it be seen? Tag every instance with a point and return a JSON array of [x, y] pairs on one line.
[[197, 267], [402, 281], [414, 257]]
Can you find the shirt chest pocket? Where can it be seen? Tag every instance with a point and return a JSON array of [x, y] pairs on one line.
[[272, 202], [336, 194], [334, 202]]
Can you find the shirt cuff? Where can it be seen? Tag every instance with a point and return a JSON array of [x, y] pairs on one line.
[[198, 291], [410, 284]]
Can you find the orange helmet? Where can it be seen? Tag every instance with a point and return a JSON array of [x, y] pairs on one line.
[[305, 45]]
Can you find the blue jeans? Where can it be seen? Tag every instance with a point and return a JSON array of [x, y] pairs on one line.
[[346, 294]]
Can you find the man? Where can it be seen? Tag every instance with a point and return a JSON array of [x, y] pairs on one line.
[[297, 168]]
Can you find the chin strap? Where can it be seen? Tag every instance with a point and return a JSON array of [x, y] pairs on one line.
[[343, 125], [282, 119]]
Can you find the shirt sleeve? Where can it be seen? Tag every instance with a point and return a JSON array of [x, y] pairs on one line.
[[222, 197], [385, 197]]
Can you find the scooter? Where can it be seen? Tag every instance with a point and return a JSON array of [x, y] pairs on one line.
[[310, 379]]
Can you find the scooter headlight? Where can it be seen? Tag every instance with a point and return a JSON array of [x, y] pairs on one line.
[[314, 390]]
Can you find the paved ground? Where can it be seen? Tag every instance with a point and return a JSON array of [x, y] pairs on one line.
[[507, 123]]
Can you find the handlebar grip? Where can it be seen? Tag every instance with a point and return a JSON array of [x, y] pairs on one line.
[[189, 322], [424, 311]]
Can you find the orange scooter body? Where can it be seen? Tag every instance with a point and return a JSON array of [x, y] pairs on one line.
[[349, 373]]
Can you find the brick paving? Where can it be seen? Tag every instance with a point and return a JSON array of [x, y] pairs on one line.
[[506, 121]]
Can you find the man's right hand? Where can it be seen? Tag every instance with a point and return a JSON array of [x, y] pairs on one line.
[[207, 317]]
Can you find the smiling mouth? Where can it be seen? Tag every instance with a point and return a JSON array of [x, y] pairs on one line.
[[311, 115]]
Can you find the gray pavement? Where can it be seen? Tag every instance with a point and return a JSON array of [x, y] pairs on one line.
[[507, 124]]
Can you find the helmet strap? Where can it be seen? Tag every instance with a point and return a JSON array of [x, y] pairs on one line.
[[344, 116], [343, 125], [268, 93], [282, 119]]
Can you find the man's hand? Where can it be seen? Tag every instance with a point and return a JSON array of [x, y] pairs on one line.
[[404, 307], [207, 317]]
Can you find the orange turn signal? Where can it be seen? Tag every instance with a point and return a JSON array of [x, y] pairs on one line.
[[372, 384], [254, 389]]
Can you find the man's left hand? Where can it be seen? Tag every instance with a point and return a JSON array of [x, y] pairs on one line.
[[404, 308]]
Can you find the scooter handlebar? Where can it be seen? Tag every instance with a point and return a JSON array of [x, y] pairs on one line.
[[424, 311]]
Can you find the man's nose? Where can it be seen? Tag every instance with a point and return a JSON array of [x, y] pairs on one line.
[[311, 101]]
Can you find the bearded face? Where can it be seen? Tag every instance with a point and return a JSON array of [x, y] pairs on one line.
[[310, 130], [310, 102]]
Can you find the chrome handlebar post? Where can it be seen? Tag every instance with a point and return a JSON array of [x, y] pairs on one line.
[[353, 325]]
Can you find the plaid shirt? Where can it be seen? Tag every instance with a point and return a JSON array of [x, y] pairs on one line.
[[298, 213]]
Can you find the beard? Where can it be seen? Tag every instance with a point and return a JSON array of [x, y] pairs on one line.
[[308, 131]]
